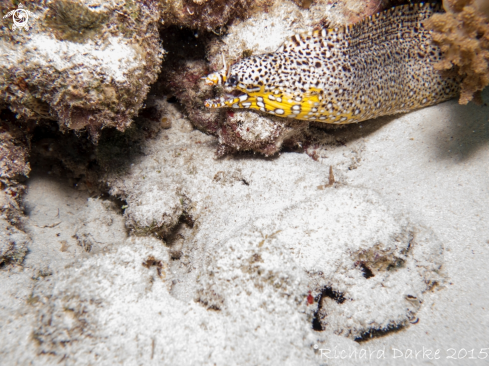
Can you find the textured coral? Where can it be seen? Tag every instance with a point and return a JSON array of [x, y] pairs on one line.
[[14, 167], [183, 80], [13, 239], [84, 64], [11, 194], [13, 242], [207, 14], [249, 131], [344, 11], [463, 35], [73, 21], [13, 153]]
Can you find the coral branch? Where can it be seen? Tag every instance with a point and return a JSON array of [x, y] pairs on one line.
[[463, 35]]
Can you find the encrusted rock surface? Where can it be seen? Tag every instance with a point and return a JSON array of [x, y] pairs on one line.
[[463, 35], [208, 15], [14, 166], [100, 227], [85, 64], [13, 152], [13, 242]]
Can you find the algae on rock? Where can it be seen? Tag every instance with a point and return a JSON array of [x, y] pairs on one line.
[[73, 21], [14, 167], [208, 15], [86, 65]]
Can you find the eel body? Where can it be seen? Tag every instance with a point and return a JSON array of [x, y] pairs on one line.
[[381, 65]]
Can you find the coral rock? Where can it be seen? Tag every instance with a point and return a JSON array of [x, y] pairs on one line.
[[249, 131], [184, 82], [13, 157], [207, 14], [86, 65], [13, 242]]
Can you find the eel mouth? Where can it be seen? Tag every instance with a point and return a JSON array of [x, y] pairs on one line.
[[231, 100]]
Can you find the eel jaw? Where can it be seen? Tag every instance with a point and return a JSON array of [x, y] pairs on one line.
[[229, 101]]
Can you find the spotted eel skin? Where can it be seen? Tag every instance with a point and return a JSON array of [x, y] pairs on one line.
[[379, 66]]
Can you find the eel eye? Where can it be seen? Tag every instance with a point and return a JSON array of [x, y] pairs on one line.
[[232, 81]]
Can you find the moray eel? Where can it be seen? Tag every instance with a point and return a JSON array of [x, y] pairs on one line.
[[381, 65]]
